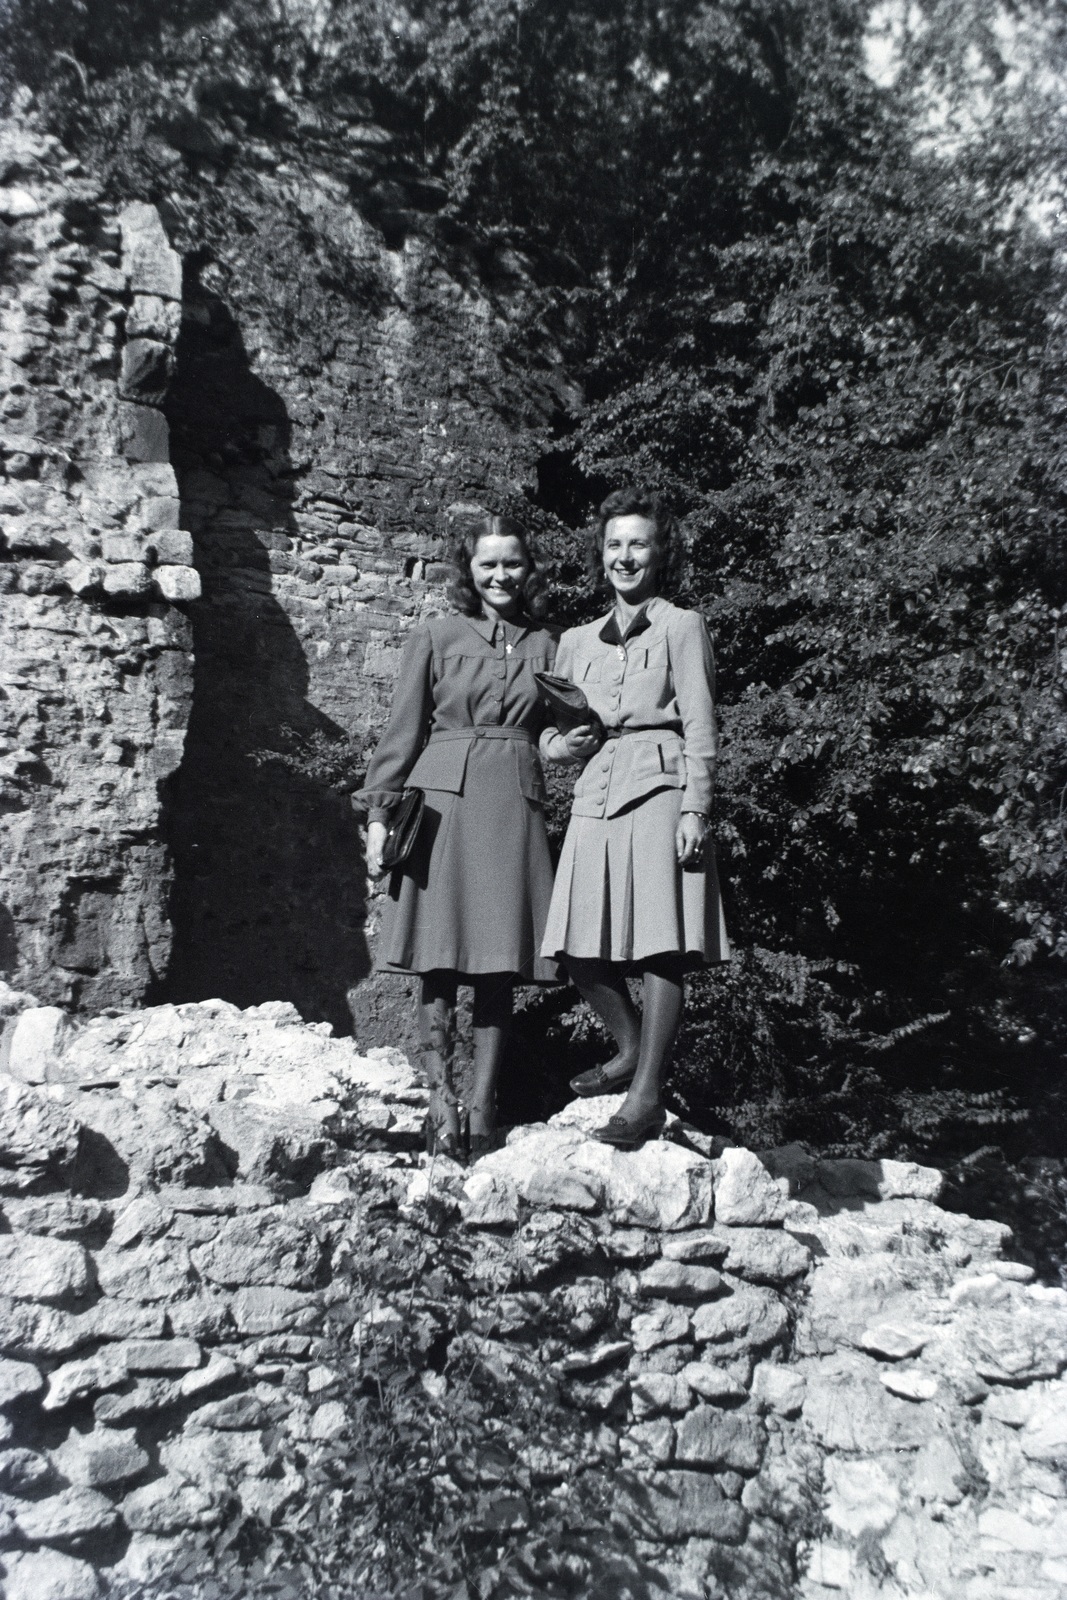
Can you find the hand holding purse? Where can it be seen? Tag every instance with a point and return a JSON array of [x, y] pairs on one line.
[[567, 703], [402, 829]]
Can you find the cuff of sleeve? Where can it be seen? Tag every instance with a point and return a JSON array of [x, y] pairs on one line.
[[697, 797], [377, 803], [377, 814]]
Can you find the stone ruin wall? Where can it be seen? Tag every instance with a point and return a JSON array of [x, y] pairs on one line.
[[94, 572], [224, 506]]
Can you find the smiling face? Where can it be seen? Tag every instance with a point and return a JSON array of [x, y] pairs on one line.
[[632, 558], [499, 569]]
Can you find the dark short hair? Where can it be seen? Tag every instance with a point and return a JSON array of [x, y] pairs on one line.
[[667, 536], [462, 592]]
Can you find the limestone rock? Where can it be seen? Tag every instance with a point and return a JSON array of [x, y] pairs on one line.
[[648, 1444], [667, 1324], [151, 1141], [675, 1505], [169, 1505], [712, 1383], [178, 584], [63, 1216], [24, 1472], [38, 1137], [938, 1473], [67, 1516], [152, 266], [764, 1256], [101, 1459], [54, 1271], [159, 1271], [489, 1201], [18, 1380], [750, 1317], [77, 1379], [847, 1409], [652, 1393], [778, 1388], [677, 1280], [1044, 1437], [48, 1575], [862, 1496], [274, 1310], [910, 1384], [745, 1193], [720, 1440], [262, 1248], [700, 1244], [145, 1397], [161, 1355], [896, 1341], [36, 1043]]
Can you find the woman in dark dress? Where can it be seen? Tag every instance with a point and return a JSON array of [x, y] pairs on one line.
[[469, 905]]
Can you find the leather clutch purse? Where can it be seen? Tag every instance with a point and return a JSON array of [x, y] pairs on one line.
[[404, 824], [565, 701]]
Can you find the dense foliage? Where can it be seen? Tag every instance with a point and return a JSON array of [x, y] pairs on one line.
[[823, 312]]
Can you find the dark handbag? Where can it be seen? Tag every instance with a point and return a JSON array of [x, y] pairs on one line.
[[404, 823], [566, 702]]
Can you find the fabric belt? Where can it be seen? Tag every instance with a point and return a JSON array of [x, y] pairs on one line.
[[448, 734], [647, 727]]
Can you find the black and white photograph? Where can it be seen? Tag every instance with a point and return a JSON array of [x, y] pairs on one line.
[[533, 800]]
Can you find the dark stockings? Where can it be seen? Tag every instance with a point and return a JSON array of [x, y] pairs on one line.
[[645, 1039], [492, 1018]]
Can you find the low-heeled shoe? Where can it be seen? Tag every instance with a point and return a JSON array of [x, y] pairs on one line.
[[627, 1134], [596, 1081]]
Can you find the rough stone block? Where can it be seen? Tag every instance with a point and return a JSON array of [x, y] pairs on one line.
[[127, 580], [169, 1506], [152, 317], [77, 1379], [70, 1515], [143, 434], [37, 1136], [703, 1244], [24, 1472], [100, 1459], [652, 1393], [153, 267], [161, 1355], [52, 1270], [37, 1041], [779, 1389], [262, 1248], [144, 1398], [721, 1440], [745, 1193], [146, 371], [178, 584], [675, 1505], [119, 547], [274, 1310], [750, 1317], [18, 1379], [48, 1575], [667, 1324], [161, 513], [765, 1256], [712, 1383], [676, 1280], [18, 205]]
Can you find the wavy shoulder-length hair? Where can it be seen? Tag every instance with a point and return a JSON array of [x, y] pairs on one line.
[[462, 592], [666, 537]]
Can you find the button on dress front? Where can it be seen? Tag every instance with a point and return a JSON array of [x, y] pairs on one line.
[[620, 894], [473, 897]]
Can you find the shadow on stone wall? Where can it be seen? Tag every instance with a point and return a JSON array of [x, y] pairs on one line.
[[268, 899]]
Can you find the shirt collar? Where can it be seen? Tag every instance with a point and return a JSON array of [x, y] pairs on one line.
[[487, 627], [610, 634]]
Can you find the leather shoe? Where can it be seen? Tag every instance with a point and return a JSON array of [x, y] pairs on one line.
[[597, 1081], [626, 1133]]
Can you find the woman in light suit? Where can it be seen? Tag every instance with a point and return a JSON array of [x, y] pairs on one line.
[[636, 892]]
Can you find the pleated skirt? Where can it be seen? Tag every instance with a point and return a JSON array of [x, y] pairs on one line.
[[473, 896], [620, 894]]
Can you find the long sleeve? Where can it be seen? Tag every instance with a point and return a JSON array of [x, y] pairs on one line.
[[405, 732], [693, 670], [553, 744]]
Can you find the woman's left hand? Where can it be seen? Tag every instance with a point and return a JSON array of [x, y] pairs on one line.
[[689, 838]]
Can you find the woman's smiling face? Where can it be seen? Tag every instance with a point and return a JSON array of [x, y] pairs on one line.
[[631, 558], [499, 569]]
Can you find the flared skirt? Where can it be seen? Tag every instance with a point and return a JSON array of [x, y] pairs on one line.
[[473, 896], [620, 894]]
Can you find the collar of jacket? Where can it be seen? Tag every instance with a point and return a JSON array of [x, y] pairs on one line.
[[488, 629], [610, 634]]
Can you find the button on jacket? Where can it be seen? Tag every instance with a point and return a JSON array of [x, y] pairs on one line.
[[460, 678], [658, 681]]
